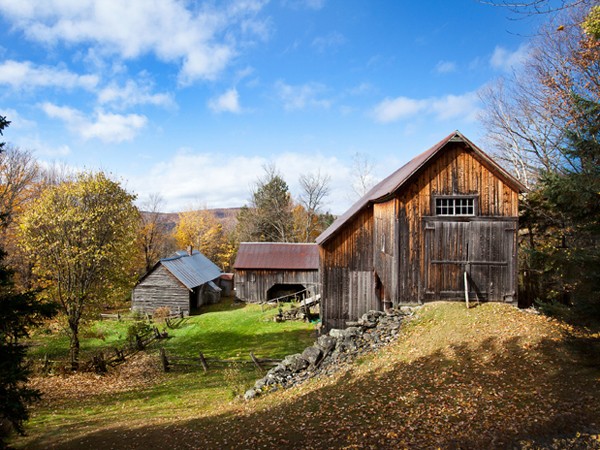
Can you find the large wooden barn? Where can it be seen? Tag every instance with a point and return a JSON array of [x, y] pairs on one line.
[[413, 236], [269, 270], [182, 283]]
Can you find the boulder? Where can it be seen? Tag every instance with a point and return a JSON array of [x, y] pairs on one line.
[[312, 355], [336, 334], [295, 363], [326, 344]]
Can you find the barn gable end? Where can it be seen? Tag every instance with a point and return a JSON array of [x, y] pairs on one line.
[[181, 282], [451, 209]]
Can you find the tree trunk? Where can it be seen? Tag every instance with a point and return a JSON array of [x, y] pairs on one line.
[[74, 347]]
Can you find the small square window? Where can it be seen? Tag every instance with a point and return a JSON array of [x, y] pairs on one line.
[[455, 206]]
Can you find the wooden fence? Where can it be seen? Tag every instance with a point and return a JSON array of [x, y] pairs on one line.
[[127, 316], [171, 361], [102, 360]]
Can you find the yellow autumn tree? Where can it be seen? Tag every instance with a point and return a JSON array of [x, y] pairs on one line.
[[201, 229], [80, 235]]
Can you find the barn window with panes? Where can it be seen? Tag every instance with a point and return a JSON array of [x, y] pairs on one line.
[[455, 206]]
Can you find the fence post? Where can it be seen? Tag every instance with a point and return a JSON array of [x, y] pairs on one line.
[[203, 362], [164, 360], [255, 361]]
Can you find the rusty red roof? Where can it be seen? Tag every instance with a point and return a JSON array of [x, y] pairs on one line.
[[277, 255], [396, 180]]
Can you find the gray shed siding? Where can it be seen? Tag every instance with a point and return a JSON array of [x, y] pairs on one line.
[[252, 285], [160, 288]]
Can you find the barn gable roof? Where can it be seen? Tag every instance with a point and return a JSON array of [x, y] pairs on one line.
[[277, 255], [191, 270], [396, 180]]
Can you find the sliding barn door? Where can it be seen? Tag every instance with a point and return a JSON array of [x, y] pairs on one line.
[[485, 249]]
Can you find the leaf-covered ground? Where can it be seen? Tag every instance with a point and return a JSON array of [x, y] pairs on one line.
[[489, 377]]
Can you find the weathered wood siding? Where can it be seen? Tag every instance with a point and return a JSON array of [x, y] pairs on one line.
[[386, 248], [389, 239], [252, 285], [485, 249], [347, 278], [160, 288], [455, 171]]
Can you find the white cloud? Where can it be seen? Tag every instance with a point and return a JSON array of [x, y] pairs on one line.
[[463, 107], [391, 110], [331, 41], [456, 107], [305, 4], [132, 94], [223, 185], [42, 149], [107, 127], [301, 96], [505, 60], [202, 39], [445, 67], [110, 127], [228, 102], [20, 75]]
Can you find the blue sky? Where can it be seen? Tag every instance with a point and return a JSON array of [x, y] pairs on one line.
[[191, 99]]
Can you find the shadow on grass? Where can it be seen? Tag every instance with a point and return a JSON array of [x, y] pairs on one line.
[[492, 395], [226, 304], [232, 344]]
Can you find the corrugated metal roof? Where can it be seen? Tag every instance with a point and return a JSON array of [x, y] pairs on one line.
[[392, 183], [277, 255], [193, 270]]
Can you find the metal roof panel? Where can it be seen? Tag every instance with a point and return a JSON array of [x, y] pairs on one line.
[[193, 270], [277, 255]]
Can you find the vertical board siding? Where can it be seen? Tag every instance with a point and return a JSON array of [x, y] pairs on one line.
[[361, 247], [347, 279], [456, 171], [252, 285], [385, 249]]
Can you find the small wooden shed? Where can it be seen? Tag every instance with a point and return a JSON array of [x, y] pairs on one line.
[[181, 282], [269, 270], [451, 210]]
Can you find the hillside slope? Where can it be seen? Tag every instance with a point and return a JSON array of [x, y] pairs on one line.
[[489, 377]]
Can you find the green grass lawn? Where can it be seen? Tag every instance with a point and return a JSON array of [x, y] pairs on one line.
[[488, 377], [76, 405]]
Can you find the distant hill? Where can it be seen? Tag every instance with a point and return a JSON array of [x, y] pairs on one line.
[[227, 216]]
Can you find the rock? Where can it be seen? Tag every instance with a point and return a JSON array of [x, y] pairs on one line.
[[295, 363], [373, 330], [250, 394], [407, 310], [326, 344], [336, 334], [312, 355], [351, 332]]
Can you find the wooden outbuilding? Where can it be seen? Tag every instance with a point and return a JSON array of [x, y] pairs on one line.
[[270, 270], [181, 282], [412, 238]]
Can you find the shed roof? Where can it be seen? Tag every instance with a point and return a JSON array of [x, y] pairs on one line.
[[396, 180], [191, 270], [277, 255]]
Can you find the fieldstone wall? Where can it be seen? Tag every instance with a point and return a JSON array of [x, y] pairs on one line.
[[372, 331]]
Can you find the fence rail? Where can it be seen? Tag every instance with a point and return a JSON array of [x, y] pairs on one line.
[[172, 361]]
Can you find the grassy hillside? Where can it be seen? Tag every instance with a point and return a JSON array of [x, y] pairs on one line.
[[489, 377]]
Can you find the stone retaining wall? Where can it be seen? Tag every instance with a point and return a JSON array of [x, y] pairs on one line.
[[372, 331]]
